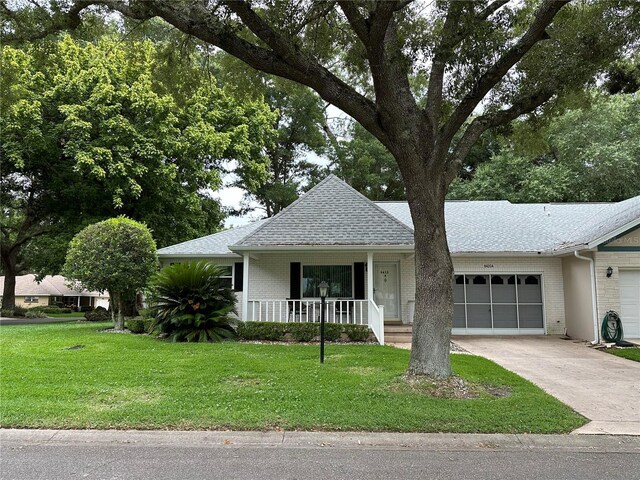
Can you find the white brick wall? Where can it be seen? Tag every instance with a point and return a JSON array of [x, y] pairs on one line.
[[608, 289], [269, 276]]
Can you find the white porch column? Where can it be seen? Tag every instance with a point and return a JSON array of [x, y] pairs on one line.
[[245, 287], [369, 282]]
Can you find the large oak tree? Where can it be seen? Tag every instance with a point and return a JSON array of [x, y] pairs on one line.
[[483, 64]]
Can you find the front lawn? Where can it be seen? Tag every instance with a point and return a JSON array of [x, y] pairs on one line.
[[66, 315], [630, 353], [70, 376]]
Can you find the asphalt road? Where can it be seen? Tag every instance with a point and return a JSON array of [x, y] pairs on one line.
[[213, 455]]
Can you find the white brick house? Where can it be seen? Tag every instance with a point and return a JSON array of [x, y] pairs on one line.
[[519, 268]]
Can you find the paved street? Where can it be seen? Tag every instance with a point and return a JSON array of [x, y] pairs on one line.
[[304, 455]]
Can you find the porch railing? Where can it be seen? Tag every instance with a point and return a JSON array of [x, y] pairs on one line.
[[376, 321], [337, 311]]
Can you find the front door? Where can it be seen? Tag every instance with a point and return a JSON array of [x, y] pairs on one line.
[[385, 289]]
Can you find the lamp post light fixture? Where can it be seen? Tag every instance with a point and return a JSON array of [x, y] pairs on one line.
[[324, 289]]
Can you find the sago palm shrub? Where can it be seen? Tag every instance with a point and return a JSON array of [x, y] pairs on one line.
[[190, 303]]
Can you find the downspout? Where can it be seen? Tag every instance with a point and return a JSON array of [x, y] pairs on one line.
[[594, 305]]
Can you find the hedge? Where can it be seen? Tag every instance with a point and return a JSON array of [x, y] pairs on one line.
[[303, 332], [139, 325]]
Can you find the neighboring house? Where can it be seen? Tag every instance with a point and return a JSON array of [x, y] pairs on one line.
[[52, 290], [519, 268]]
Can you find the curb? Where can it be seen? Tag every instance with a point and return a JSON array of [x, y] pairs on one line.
[[294, 439]]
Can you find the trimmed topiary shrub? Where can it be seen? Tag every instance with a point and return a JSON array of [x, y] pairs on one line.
[[148, 324], [301, 332], [99, 314]]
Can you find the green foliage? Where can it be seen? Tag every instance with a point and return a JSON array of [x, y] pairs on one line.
[[31, 313], [98, 314], [15, 312], [190, 303], [365, 164], [95, 129], [304, 332], [587, 154], [269, 331], [301, 332], [118, 255], [135, 325]]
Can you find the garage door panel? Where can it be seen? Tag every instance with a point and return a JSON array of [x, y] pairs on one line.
[[479, 316], [531, 316], [630, 302], [505, 316], [459, 320]]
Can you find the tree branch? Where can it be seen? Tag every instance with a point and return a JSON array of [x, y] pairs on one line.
[[497, 71], [490, 120]]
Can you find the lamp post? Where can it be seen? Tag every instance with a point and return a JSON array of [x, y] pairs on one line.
[[324, 288]]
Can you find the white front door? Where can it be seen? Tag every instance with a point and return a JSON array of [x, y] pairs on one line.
[[630, 303], [385, 289]]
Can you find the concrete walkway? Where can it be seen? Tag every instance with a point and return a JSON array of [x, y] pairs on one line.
[[602, 387]]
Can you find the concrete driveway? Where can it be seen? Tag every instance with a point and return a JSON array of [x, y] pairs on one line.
[[602, 387]]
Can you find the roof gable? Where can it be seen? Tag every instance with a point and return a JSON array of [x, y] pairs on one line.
[[330, 214]]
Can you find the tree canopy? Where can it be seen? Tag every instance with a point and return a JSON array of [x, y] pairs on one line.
[[587, 154], [95, 129]]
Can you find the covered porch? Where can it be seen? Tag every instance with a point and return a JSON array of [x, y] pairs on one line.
[[365, 288]]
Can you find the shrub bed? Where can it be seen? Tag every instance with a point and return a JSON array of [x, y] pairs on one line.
[[99, 314], [50, 309], [303, 332], [14, 312], [139, 325]]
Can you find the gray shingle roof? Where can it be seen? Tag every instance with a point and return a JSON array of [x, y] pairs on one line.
[[501, 226], [331, 213], [334, 214], [214, 244]]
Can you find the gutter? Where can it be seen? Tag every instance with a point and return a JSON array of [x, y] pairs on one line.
[[594, 304]]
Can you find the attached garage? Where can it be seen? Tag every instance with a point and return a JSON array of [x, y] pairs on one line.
[[507, 304], [630, 302]]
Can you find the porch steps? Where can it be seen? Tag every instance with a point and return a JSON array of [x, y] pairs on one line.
[[396, 332]]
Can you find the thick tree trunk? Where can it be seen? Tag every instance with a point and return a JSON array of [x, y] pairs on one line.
[[9, 265], [433, 317]]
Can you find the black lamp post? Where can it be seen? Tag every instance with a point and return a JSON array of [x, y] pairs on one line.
[[324, 288]]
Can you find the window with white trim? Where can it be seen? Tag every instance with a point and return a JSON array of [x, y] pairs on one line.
[[31, 299], [226, 278]]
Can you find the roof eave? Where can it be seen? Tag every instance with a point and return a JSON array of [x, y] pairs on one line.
[[316, 248]]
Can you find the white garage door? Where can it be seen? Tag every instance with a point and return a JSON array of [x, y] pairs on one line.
[[630, 302], [500, 304]]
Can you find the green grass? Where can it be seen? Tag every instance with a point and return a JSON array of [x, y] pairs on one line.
[[629, 353], [66, 315], [135, 381]]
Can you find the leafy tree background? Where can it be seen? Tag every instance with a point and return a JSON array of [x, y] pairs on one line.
[[95, 129]]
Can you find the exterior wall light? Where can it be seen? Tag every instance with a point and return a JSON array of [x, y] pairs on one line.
[[609, 272]]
